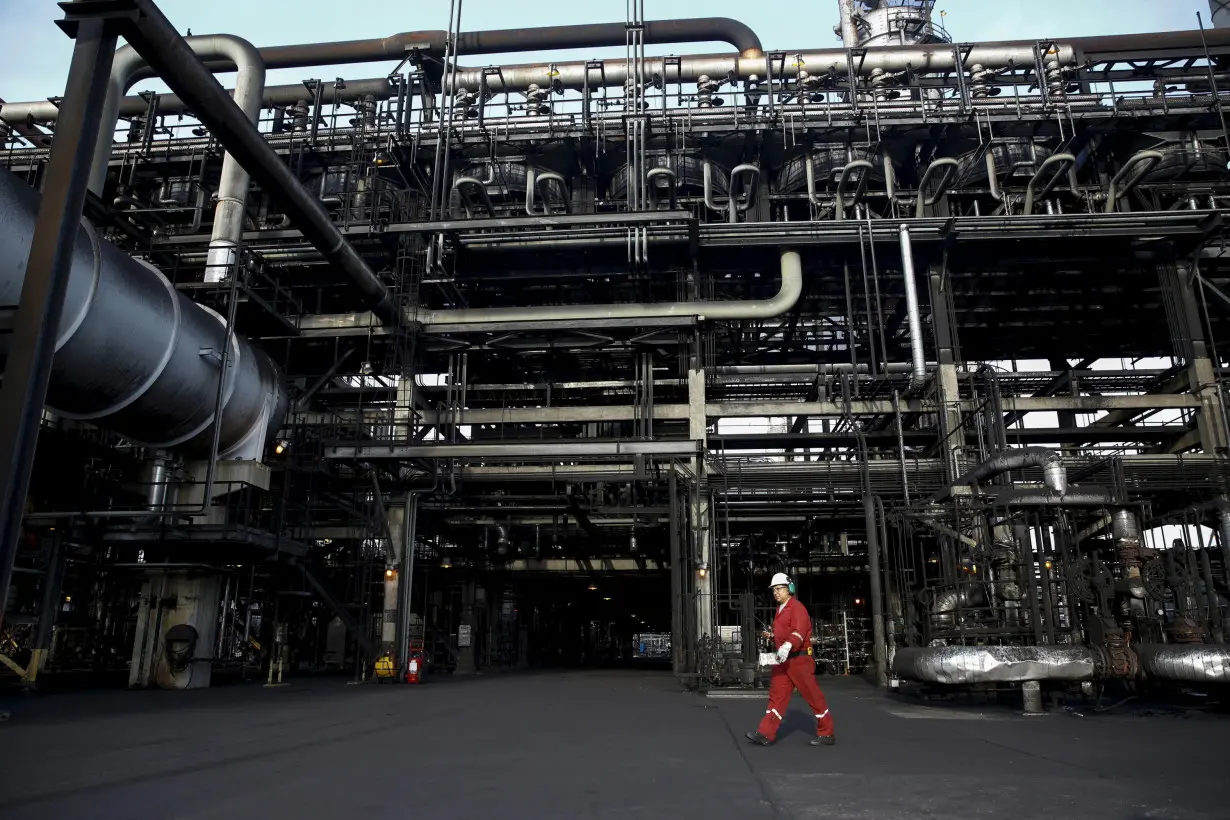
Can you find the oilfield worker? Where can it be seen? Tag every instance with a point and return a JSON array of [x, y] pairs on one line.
[[795, 668]]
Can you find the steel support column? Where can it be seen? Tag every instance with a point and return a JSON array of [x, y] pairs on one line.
[[702, 507], [946, 389], [1189, 334], [35, 328]]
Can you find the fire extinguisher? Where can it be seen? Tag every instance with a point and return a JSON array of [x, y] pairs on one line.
[[415, 661]]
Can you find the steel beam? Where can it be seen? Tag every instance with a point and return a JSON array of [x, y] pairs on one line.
[[36, 325], [548, 450]]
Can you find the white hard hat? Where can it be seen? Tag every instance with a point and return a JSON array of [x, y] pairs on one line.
[[779, 580]]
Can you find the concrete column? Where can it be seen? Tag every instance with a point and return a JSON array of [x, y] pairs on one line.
[[701, 507], [390, 641], [170, 598]]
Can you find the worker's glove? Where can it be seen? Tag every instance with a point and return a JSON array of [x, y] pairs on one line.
[[783, 652]]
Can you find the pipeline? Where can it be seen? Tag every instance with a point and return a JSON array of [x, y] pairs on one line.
[[917, 58], [1190, 663], [957, 665], [1125, 532], [1054, 476], [918, 375], [950, 600], [159, 42], [920, 59], [134, 355], [784, 300]]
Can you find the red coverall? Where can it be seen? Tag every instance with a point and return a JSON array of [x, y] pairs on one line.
[[793, 624]]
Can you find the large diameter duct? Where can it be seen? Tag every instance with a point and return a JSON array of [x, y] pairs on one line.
[[1189, 663], [848, 25], [1219, 13], [1054, 476], [785, 299], [958, 665], [134, 355]]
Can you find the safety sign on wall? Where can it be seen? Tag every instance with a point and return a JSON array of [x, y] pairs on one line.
[[463, 635]]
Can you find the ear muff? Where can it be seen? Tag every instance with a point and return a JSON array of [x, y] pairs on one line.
[[792, 588]]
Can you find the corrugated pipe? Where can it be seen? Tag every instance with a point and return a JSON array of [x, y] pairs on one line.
[[1190, 663], [160, 44], [135, 355], [1054, 476], [957, 665]]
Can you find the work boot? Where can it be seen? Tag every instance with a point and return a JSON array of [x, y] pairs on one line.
[[823, 740], [758, 739]]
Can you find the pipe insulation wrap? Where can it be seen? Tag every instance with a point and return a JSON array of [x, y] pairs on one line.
[[1054, 475], [956, 665], [134, 355], [1191, 663]]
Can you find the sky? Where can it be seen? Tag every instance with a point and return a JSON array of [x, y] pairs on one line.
[[34, 61]]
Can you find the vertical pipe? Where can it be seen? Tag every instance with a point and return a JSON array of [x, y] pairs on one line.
[[677, 636], [873, 566], [918, 371], [849, 29], [48, 607], [28, 367], [405, 587]]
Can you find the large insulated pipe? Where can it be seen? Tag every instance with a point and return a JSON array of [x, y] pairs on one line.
[[1190, 663], [509, 41], [1125, 532], [128, 67], [920, 59], [1054, 476], [849, 27], [918, 375], [785, 299], [1219, 13], [160, 44], [957, 665], [234, 182], [133, 354]]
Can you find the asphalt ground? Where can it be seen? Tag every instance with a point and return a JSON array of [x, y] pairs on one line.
[[590, 744]]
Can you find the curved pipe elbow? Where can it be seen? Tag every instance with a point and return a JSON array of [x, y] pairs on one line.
[[129, 67], [783, 301], [1054, 474]]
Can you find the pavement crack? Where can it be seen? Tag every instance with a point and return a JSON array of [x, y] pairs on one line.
[[766, 794]]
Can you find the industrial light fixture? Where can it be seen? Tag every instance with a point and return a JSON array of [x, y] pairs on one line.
[[281, 446], [632, 543], [445, 563], [593, 587], [702, 569], [858, 601], [390, 572], [607, 598]]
